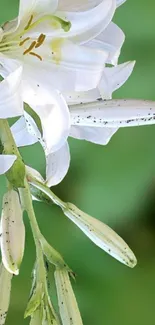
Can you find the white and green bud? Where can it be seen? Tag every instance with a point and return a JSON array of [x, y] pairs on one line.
[[68, 306], [101, 234], [12, 232], [5, 291]]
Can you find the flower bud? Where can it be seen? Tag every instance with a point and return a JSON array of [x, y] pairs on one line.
[[12, 232], [102, 235], [68, 307], [5, 289]]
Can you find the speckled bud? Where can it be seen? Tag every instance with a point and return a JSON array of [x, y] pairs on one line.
[[12, 232], [68, 307], [5, 289]]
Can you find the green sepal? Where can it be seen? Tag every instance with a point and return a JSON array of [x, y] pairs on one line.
[[35, 117], [16, 174], [34, 301]]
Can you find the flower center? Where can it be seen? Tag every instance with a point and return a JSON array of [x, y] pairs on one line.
[[12, 45]]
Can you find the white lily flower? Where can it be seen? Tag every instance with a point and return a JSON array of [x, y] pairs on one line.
[[12, 232], [5, 290], [48, 42], [68, 307]]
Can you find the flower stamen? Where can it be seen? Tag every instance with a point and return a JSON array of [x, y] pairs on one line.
[[40, 40], [30, 48], [25, 40], [29, 23], [36, 55]]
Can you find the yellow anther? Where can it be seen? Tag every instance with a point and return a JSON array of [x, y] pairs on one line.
[[29, 23], [36, 55], [30, 48], [40, 40], [25, 40]]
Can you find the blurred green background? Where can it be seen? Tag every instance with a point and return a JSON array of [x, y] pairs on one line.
[[116, 184]]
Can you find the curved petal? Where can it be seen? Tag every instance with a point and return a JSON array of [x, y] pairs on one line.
[[54, 115], [78, 5], [6, 161], [93, 134], [88, 24], [21, 135], [65, 66], [57, 165], [120, 2], [28, 7], [11, 103], [114, 78], [114, 113], [111, 41]]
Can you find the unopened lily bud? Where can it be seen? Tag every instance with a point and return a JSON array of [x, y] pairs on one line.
[[68, 307], [102, 235], [12, 232], [5, 290]]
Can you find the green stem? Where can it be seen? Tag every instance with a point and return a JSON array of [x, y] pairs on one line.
[[9, 147], [43, 188]]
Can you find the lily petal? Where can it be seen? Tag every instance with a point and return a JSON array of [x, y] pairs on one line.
[[28, 7], [111, 41], [21, 135], [6, 161], [96, 135], [114, 113], [11, 104], [78, 5], [65, 66], [114, 78], [57, 165], [88, 24], [54, 115], [120, 2]]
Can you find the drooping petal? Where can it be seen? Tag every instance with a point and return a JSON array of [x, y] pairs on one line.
[[68, 306], [57, 165], [93, 134], [111, 41], [21, 135], [54, 115], [5, 291], [88, 24], [6, 161], [11, 103], [102, 235], [113, 78], [114, 113]]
